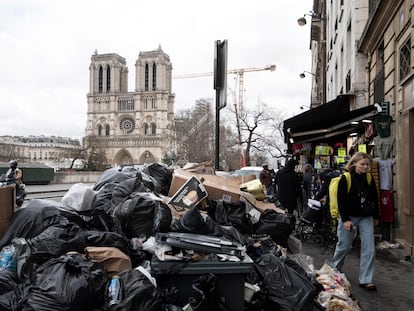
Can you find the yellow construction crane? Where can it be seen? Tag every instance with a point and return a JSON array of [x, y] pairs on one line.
[[238, 106], [239, 72]]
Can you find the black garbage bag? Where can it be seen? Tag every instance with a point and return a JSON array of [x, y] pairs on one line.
[[205, 294], [143, 214], [277, 225], [286, 289], [103, 198], [125, 188], [193, 222], [150, 183], [96, 220], [137, 293], [113, 175], [30, 221], [58, 240], [162, 174], [10, 290], [70, 282], [231, 213], [9, 301], [190, 222]]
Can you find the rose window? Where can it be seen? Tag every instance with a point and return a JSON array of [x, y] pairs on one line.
[[127, 125]]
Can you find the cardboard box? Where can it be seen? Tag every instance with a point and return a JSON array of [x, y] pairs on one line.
[[189, 194], [217, 187], [7, 206]]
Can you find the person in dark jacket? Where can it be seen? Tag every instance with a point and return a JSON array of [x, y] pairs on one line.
[[358, 210], [288, 186], [266, 176], [325, 178], [307, 183]]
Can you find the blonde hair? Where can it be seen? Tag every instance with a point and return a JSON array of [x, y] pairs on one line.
[[355, 158]]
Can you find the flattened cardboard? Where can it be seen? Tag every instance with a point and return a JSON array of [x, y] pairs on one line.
[[190, 194], [7, 205], [218, 187]]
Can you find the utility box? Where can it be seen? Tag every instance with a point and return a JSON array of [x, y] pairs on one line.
[[7, 206], [231, 277]]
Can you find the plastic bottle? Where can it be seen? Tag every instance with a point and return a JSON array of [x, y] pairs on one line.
[[8, 260], [114, 291]]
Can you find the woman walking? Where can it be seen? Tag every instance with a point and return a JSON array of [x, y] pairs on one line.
[[358, 209]]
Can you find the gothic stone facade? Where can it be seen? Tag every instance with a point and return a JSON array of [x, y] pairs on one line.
[[130, 127]]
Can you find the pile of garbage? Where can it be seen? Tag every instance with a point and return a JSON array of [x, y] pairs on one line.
[[151, 238]]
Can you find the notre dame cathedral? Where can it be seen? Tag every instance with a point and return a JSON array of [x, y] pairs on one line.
[[130, 127]]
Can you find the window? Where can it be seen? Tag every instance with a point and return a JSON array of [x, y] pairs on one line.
[[153, 129], [154, 77], [146, 77], [99, 130], [348, 82], [145, 129], [108, 79], [107, 130], [405, 55], [100, 79], [127, 125]]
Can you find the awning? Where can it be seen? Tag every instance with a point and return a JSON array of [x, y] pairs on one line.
[[326, 121]]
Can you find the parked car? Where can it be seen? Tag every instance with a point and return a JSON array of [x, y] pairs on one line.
[[249, 170]]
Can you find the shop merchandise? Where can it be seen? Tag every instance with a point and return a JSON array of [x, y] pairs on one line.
[[385, 173]]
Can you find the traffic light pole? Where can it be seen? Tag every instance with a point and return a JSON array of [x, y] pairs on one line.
[[220, 85], [217, 155]]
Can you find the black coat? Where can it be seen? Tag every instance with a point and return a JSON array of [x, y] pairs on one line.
[[288, 186]]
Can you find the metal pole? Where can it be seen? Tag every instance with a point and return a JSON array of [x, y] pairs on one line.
[[217, 157]]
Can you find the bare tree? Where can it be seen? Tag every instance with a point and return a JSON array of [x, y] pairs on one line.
[[261, 132], [96, 157], [194, 130]]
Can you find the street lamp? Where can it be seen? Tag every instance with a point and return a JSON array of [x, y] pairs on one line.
[[302, 20], [302, 74]]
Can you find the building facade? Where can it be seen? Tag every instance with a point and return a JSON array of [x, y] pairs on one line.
[[130, 127], [387, 43], [370, 101], [345, 66], [50, 150]]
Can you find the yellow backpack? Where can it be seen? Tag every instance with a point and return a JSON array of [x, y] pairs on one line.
[[333, 192]]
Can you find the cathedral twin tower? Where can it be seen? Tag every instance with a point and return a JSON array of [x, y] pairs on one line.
[[130, 127]]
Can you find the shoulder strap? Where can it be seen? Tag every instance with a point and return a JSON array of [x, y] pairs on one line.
[[348, 180]]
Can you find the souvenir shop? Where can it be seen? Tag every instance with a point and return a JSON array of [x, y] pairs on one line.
[[328, 135]]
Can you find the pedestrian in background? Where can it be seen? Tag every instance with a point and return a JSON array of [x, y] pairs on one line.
[[288, 186], [307, 183], [14, 174], [266, 176], [358, 209]]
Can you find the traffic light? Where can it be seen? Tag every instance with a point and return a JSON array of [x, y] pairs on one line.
[[220, 71]]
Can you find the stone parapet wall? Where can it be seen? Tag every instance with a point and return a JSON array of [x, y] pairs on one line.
[[72, 177]]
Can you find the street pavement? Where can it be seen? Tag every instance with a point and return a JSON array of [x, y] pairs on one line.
[[394, 276]]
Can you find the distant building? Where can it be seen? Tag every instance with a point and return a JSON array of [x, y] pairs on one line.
[[130, 127], [38, 149]]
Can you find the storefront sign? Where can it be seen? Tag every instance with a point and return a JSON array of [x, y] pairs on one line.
[[322, 150], [362, 148], [341, 152]]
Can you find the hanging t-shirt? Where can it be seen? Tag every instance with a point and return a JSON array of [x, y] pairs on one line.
[[387, 206], [385, 173], [383, 125], [383, 146]]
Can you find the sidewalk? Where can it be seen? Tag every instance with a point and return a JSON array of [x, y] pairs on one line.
[[393, 276]]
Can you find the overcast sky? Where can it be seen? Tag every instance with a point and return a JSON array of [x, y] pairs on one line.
[[46, 47]]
